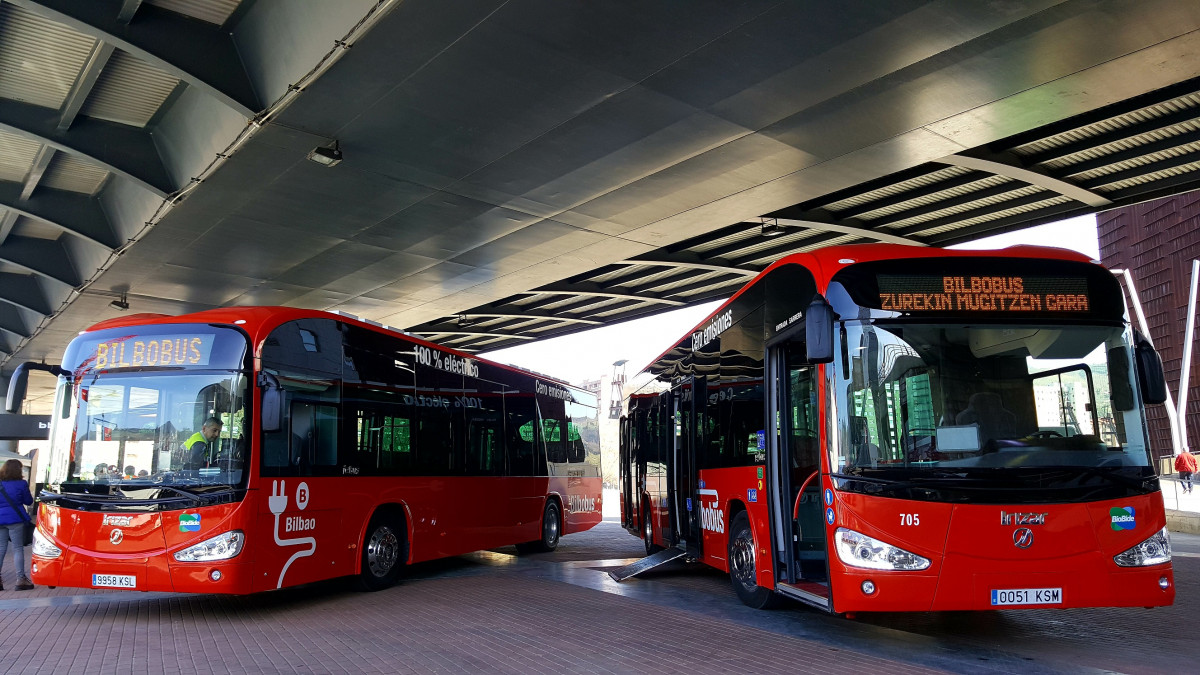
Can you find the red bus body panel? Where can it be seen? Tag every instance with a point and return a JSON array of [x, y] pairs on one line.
[[973, 553]]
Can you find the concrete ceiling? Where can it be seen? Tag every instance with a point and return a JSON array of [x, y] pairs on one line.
[[518, 170]]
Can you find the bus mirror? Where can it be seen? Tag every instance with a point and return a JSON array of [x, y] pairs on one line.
[[818, 331], [272, 402], [1151, 380], [19, 382]]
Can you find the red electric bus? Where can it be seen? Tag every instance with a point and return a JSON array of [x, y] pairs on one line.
[[345, 449], [893, 428]]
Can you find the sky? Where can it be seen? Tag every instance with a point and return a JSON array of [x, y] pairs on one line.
[[590, 354]]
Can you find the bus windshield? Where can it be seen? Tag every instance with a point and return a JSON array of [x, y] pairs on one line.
[[136, 428], [949, 399], [140, 398]]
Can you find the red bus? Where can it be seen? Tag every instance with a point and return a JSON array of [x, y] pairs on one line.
[[344, 448], [893, 428]]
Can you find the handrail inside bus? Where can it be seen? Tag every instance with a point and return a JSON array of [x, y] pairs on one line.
[[799, 495]]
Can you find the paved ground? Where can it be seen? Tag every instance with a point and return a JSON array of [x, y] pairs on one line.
[[560, 613]]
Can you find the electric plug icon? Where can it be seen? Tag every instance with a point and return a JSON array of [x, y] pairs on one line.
[[278, 500]]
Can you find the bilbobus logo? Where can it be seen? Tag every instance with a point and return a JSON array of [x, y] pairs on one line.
[[1122, 518]]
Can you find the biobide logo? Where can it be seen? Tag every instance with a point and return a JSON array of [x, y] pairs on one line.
[[1122, 518]]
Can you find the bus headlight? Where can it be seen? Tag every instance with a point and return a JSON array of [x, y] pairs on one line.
[[221, 547], [1153, 551], [859, 550], [42, 547]]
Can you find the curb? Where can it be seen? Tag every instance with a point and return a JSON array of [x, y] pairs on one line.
[[1185, 522]]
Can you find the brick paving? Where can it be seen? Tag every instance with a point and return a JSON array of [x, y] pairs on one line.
[[558, 613]]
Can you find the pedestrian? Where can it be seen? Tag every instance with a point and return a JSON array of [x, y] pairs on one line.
[[1185, 464], [13, 517]]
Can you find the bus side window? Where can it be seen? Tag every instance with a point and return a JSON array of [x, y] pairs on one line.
[[519, 435]]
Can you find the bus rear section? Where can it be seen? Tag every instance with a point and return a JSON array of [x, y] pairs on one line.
[[858, 432]]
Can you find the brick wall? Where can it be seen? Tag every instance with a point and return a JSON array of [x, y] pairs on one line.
[[1157, 242]]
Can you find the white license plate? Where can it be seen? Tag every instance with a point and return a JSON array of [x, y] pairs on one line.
[[1027, 596], [114, 580]]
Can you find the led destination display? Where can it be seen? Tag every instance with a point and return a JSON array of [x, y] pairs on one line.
[[149, 351], [983, 294]]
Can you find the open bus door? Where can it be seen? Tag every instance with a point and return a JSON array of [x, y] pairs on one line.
[[794, 461], [629, 497], [689, 405]]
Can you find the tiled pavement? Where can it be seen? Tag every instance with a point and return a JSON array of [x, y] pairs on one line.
[[557, 613]]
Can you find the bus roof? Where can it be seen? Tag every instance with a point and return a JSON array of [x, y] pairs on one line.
[[258, 322]]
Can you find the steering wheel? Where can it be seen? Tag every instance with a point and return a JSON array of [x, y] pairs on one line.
[[1045, 434]]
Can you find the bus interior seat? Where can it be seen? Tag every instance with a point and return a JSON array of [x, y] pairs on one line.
[[986, 410]]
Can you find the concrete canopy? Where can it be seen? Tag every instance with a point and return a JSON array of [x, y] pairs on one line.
[[518, 170]]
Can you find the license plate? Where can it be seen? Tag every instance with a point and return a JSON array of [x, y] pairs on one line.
[[1027, 596], [114, 580]]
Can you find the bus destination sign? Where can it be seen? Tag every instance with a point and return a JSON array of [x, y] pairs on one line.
[[135, 351], [983, 294]]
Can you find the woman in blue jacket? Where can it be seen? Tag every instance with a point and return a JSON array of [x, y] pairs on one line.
[[12, 524]]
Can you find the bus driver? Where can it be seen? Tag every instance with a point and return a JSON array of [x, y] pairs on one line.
[[197, 446]]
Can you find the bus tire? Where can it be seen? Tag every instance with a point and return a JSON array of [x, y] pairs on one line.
[[743, 571], [384, 552], [648, 533], [551, 531]]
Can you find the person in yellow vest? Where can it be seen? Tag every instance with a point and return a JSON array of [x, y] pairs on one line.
[[199, 444]]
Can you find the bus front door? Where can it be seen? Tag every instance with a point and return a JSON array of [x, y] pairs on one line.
[[798, 461], [684, 499]]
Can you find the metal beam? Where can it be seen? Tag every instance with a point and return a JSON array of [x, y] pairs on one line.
[[988, 210], [24, 292], [1004, 167], [1124, 133], [682, 262], [84, 83], [594, 291], [41, 162], [777, 252], [47, 259], [11, 322], [864, 232], [68, 211], [119, 148], [916, 193], [530, 316], [6, 223], [1136, 152], [204, 57], [514, 336], [128, 9]]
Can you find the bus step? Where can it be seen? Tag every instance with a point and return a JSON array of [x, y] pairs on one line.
[[648, 563]]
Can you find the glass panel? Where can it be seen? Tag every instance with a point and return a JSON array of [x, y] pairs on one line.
[[160, 428], [914, 395]]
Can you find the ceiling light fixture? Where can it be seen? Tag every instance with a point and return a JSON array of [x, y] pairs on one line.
[[771, 227], [330, 155], [121, 303]]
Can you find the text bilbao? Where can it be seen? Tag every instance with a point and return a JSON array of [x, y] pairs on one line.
[[159, 350]]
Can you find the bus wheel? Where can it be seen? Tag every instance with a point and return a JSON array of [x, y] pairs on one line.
[[742, 569], [383, 554], [551, 527], [648, 533]]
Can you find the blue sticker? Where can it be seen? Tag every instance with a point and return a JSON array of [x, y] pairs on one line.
[[701, 485], [762, 440], [751, 495], [689, 503], [828, 497], [1122, 518], [829, 516]]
